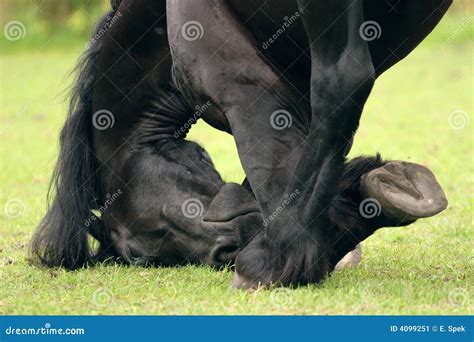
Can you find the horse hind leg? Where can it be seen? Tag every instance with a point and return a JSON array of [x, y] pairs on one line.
[[399, 26]]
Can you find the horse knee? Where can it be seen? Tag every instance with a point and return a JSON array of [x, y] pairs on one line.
[[350, 78]]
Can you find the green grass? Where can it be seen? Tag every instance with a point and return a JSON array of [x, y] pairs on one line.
[[426, 268]]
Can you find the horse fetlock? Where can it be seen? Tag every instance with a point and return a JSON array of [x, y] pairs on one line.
[[299, 260]]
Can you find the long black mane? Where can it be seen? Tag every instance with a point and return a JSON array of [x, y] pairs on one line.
[[62, 236]]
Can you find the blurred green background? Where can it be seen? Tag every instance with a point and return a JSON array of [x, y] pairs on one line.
[[420, 111], [53, 23]]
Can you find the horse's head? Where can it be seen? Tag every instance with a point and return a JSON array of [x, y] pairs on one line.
[[208, 219]]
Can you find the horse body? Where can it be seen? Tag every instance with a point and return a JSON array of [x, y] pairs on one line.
[[252, 87], [174, 207]]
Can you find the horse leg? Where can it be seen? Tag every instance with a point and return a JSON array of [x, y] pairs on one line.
[[374, 194], [269, 125], [402, 26], [241, 83], [341, 80], [225, 67], [296, 247], [342, 76]]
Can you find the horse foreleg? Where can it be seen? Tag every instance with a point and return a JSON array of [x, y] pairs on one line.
[[341, 80], [268, 123], [374, 194]]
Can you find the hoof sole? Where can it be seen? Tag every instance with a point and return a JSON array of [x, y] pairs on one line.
[[406, 191]]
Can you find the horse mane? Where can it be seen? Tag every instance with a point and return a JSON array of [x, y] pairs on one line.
[[61, 238]]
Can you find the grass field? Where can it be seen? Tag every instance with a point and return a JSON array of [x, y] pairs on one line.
[[420, 111]]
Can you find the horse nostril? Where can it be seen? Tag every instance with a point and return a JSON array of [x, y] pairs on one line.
[[225, 251]]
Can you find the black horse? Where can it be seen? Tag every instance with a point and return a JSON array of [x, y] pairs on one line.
[[288, 79]]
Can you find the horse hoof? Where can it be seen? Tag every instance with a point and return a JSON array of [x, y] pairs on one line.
[[405, 191], [351, 259]]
